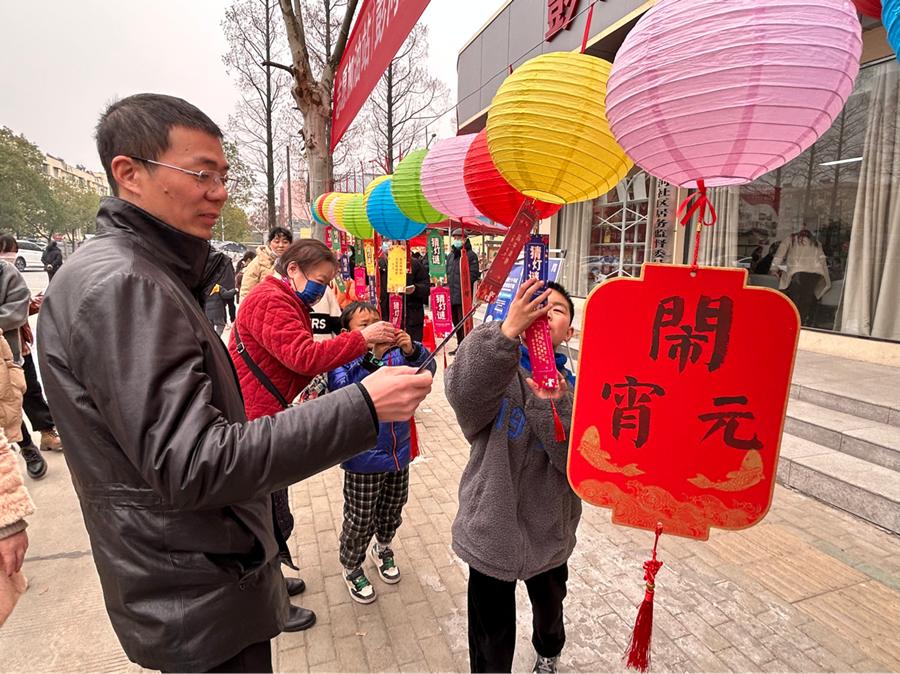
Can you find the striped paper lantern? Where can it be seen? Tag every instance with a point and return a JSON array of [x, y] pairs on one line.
[[355, 219], [548, 133], [489, 191], [407, 190], [387, 218], [757, 83], [443, 182]]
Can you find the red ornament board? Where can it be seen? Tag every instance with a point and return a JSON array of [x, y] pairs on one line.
[[681, 395]]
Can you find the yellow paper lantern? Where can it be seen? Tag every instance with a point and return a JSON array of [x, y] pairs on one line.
[[340, 206], [326, 204], [548, 133]]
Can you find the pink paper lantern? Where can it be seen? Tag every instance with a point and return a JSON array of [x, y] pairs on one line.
[[729, 91], [442, 177], [332, 218]]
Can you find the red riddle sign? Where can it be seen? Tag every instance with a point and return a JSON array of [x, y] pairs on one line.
[[683, 384], [380, 29]]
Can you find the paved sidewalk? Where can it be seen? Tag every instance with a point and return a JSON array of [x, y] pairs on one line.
[[810, 589]]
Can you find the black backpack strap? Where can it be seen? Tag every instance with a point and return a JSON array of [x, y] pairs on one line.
[[257, 372]]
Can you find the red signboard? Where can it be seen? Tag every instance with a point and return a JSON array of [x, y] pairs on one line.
[[380, 30], [517, 236], [396, 311], [682, 391], [440, 311], [560, 14]]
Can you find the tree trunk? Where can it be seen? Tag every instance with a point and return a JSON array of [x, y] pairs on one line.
[[318, 158]]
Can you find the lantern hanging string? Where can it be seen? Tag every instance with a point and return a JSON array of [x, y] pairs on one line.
[[587, 28], [698, 204]]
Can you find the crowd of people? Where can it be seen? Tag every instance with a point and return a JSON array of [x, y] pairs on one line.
[[182, 447]]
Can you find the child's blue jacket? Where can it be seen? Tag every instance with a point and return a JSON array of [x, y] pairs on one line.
[[391, 453]]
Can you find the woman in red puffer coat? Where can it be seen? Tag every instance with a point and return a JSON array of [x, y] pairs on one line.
[[274, 331]]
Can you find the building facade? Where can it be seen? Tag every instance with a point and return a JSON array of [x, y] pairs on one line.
[[825, 228], [293, 205], [78, 175]]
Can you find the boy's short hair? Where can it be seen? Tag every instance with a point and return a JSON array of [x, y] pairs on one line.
[[280, 231], [553, 285], [139, 125], [354, 308]]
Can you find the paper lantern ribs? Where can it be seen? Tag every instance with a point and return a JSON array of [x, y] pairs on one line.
[[729, 91], [490, 192], [548, 133], [442, 177], [387, 219], [407, 190]]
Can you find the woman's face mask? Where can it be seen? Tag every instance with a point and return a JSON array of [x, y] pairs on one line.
[[312, 292]]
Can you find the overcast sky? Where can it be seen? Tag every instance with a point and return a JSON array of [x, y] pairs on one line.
[[61, 61]]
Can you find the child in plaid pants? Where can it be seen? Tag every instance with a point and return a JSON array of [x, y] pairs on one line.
[[376, 482]]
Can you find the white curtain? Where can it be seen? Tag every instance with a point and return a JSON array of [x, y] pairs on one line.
[[871, 304], [718, 244], [574, 237]]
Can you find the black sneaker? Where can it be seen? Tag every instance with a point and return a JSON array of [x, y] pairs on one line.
[[360, 588], [384, 564], [34, 462]]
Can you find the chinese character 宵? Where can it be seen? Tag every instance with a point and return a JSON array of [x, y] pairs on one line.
[[632, 407]]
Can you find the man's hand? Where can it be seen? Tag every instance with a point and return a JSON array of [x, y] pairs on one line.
[[549, 394], [397, 391], [216, 288], [404, 341], [381, 332], [12, 552], [523, 311]]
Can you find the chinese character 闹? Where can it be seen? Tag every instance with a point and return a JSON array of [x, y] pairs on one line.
[[632, 407], [712, 319], [728, 421]]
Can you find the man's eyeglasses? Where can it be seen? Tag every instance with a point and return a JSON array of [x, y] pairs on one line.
[[205, 179]]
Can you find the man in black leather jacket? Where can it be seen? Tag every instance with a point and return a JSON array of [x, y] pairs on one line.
[[173, 481]]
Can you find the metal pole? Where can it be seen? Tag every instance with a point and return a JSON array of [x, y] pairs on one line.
[[289, 190]]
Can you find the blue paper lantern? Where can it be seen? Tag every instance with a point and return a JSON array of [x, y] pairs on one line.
[[387, 218], [890, 17]]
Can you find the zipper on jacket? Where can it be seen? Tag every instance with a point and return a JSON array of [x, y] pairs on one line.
[[394, 448]]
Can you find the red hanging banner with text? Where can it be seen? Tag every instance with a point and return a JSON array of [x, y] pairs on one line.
[[514, 240], [381, 28]]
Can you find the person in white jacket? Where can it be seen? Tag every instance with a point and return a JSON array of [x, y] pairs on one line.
[[804, 278]]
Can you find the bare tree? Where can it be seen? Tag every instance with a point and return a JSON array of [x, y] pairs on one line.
[[405, 102], [256, 37], [316, 45]]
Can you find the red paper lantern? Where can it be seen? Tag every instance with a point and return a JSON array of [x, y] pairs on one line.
[[869, 7], [490, 192]]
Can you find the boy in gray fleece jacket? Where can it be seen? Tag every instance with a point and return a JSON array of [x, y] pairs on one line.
[[517, 513]]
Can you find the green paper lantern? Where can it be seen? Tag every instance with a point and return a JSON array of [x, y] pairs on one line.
[[355, 219], [406, 189]]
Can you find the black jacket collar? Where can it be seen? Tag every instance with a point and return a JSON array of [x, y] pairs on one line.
[[183, 254]]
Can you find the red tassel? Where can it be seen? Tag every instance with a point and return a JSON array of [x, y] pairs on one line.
[[413, 439], [558, 427], [638, 654]]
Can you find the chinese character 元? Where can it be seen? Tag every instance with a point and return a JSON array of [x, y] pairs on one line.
[[729, 420]]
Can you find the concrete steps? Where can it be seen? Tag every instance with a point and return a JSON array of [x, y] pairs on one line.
[[843, 451]]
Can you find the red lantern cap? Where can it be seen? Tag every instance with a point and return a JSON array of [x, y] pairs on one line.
[[489, 191], [869, 7]]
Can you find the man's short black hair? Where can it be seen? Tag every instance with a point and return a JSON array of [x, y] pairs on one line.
[[354, 308], [553, 285], [139, 125], [280, 231]]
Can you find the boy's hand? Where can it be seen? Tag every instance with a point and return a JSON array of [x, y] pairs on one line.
[[404, 341], [523, 311], [397, 391], [549, 394], [216, 288], [381, 332]]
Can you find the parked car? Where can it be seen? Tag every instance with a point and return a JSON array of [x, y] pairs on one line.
[[29, 255]]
